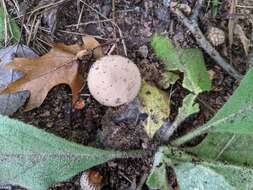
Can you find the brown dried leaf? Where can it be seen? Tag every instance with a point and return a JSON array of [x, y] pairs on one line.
[[243, 38], [59, 66]]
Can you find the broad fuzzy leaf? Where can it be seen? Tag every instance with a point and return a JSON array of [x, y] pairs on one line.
[[158, 178], [206, 174], [156, 104], [230, 137], [59, 66], [34, 159], [188, 61], [191, 177]]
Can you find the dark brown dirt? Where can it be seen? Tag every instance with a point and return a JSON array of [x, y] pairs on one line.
[[138, 20]]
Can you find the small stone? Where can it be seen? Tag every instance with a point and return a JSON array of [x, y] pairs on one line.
[[216, 36], [143, 50], [166, 3]]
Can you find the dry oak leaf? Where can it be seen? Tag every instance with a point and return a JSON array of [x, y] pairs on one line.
[[58, 66]]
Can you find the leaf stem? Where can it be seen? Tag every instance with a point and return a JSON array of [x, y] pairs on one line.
[[205, 128]]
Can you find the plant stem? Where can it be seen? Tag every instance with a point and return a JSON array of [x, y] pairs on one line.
[[205, 128]]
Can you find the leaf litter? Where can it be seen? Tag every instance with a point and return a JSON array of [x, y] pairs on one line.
[[59, 66], [175, 79], [9, 103]]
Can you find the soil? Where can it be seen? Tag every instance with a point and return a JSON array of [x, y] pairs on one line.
[[137, 20]]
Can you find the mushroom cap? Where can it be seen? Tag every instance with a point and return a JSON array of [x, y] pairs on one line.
[[114, 80]]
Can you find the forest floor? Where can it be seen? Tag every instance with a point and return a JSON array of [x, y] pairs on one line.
[[137, 21]]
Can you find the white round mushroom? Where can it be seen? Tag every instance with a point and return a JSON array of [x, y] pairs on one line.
[[114, 80]]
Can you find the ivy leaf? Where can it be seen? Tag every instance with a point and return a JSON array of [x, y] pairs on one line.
[[34, 159], [156, 104], [188, 61]]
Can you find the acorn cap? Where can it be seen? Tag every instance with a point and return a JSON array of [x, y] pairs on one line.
[[114, 80]]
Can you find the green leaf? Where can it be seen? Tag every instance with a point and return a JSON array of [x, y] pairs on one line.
[[1, 24], [191, 177], [188, 108], [230, 138], [167, 79], [158, 178], [188, 61], [14, 30], [196, 77], [230, 135], [34, 159], [156, 104], [12, 27], [193, 173]]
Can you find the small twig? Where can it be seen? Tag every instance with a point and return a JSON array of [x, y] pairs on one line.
[[245, 6], [142, 181], [80, 17], [192, 25], [89, 22]]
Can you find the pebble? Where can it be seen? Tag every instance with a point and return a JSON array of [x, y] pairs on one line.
[[143, 50], [166, 3]]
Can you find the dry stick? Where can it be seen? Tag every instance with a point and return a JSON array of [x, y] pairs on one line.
[[202, 41]]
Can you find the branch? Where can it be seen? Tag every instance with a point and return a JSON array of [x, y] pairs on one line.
[[192, 25]]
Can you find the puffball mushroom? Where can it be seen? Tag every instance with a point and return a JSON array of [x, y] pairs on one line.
[[114, 80]]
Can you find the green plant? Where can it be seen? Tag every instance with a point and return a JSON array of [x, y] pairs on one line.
[[8, 27], [223, 160], [34, 159]]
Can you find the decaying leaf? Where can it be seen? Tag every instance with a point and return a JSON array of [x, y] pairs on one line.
[[9, 103], [156, 104], [238, 31], [59, 66]]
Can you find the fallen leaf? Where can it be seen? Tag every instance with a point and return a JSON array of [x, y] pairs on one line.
[[59, 66], [156, 104], [9, 103], [243, 38]]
